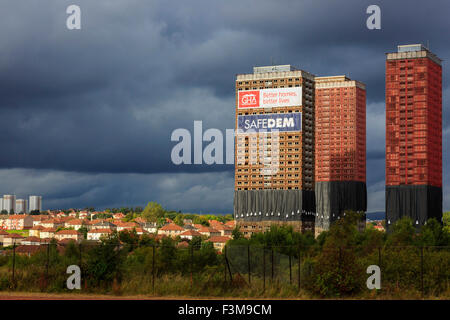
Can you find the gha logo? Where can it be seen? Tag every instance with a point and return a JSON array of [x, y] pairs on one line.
[[249, 99]]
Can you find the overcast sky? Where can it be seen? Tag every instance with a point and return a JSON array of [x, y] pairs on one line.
[[86, 116]]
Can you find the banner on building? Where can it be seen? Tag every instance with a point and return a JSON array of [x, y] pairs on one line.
[[269, 98], [281, 122]]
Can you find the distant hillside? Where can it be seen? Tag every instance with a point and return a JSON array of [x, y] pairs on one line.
[[375, 216]]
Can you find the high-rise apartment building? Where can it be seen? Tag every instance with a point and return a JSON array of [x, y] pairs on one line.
[[340, 137], [413, 134], [21, 206], [9, 203], [274, 149], [35, 203]]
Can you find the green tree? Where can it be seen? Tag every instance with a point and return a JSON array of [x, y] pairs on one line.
[[433, 234], [131, 238], [237, 234], [153, 211], [179, 219], [402, 233], [83, 230], [104, 262]]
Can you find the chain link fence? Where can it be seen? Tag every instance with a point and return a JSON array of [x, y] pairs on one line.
[[199, 270]]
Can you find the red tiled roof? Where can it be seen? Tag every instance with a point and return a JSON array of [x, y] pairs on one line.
[[75, 222], [192, 233], [183, 244], [39, 217], [39, 227], [71, 232], [100, 231], [34, 239], [48, 230], [65, 241], [127, 224], [223, 227], [208, 229], [17, 216], [30, 249], [171, 227], [218, 239], [13, 235]]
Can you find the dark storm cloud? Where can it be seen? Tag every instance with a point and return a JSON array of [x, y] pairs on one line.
[[105, 99]]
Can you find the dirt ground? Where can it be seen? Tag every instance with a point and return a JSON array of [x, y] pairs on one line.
[[68, 296]]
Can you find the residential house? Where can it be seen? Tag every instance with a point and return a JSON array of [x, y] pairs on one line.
[[84, 215], [35, 231], [189, 234], [75, 224], [11, 239], [19, 222], [69, 234], [170, 230], [197, 226], [31, 241], [47, 233], [72, 214], [52, 223], [150, 227], [231, 223], [2, 234], [140, 231], [209, 231], [218, 242], [97, 234], [224, 229], [3, 219], [118, 215], [126, 226], [104, 225], [140, 220], [37, 219]]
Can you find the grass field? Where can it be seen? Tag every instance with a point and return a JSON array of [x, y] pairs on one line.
[[23, 233]]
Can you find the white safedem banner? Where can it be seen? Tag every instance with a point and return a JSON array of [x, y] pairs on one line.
[[269, 98]]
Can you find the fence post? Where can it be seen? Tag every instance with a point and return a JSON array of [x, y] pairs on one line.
[[225, 263], [271, 248], [47, 262], [153, 270], [299, 267], [290, 268], [379, 257], [81, 256], [264, 268], [340, 258], [421, 271], [14, 265], [248, 262], [228, 265], [192, 263]]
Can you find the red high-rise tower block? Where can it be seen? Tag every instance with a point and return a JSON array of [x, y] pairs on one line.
[[413, 134], [340, 177]]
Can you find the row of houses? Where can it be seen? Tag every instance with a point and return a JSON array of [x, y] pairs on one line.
[[42, 228], [218, 233]]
